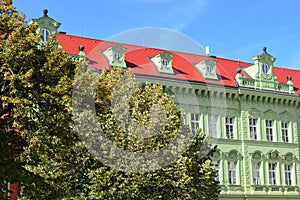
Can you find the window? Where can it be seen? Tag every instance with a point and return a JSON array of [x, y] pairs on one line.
[[256, 173], [118, 56], [272, 173], [213, 122], [265, 68], [285, 131], [232, 173], [269, 130], [216, 165], [253, 128], [165, 62], [229, 127], [195, 118], [288, 174], [209, 68], [45, 34]]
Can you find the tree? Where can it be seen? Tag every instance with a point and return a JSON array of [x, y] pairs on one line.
[[49, 140], [35, 97], [140, 119]]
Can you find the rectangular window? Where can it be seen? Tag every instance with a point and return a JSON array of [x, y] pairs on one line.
[[229, 127], [253, 128], [256, 173], [232, 173], [285, 131], [269, 130], [272, 173], [288, 174], [213, 122], [216, 165], [195, 122]]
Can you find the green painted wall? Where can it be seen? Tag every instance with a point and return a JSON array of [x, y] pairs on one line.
[[242, 104]]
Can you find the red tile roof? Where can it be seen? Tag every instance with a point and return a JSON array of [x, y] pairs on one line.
[[138, 59]]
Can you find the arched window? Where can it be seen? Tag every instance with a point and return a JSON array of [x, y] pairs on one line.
[[45, 34], [232, 158], [256, 168]]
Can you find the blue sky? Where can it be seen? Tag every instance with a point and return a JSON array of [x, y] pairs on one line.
[[231, 28]]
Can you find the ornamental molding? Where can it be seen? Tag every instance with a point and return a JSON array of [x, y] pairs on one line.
[[286, 116], [216, 155], [260, 75], [256, 156], [196, 109], [289, 158], [231, 112], [273, 156], [233, 156], [254, 113], [215, 111], [269, 114], [46, 22]]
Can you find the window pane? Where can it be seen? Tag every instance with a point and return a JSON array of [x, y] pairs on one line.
[[216, 165], [252, 126], [288, 174], [213, 120], [285, 131], [195, 123], [256, 173], [229, 127], [232, 173], [272, 173], [45, 34], [269, 130]]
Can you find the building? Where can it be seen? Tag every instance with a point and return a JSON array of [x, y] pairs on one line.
[[251, 109]]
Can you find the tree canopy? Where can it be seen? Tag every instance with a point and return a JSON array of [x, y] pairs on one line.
[[59, 119]]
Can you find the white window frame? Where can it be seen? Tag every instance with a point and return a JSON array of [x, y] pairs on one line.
[[45, 34], [232, 173], [195, 121], [216, 165], [270, 130], [256, 166], [288, 174], [253, 128], [272, 173], [285, 132], [213, 125], [229, 126]]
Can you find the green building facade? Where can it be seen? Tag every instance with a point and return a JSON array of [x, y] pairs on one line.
[[250, 109]]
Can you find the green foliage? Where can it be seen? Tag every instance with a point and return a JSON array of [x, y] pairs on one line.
[[35, 98], [124, 113], [42, 150]]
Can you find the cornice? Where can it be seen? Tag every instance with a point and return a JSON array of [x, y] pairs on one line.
[[269, 98]]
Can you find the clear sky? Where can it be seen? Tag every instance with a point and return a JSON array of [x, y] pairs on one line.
[[231, 28]]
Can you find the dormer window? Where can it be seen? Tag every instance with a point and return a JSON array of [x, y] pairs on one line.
[[45, 34], [207, 68], [46, 26], [115, 55], [163, 62]]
